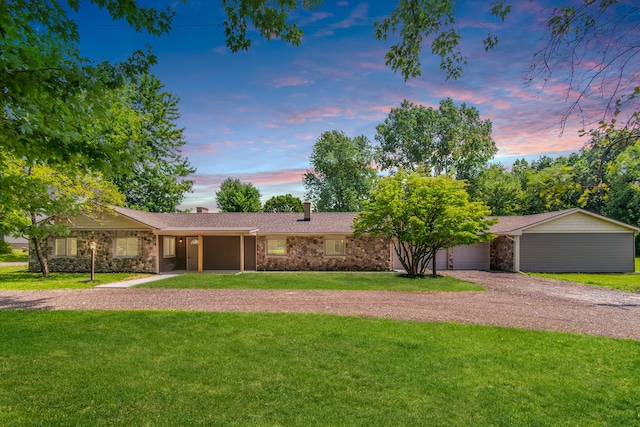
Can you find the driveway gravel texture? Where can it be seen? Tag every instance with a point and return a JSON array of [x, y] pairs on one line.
[[510, 300]]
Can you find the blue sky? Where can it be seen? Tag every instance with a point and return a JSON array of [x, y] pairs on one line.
[[256, 115]]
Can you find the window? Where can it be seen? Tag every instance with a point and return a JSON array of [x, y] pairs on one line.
[[126, 246], [169, 247], [277, 246], [66, 246], [334, 246]]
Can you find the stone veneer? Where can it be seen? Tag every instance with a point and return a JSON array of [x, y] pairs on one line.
[[106, 261], [307, 253], [501, 257]]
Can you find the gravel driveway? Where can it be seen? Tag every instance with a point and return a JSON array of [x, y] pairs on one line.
[[512, 300]]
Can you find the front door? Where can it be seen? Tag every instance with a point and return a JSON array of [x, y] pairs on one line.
[[192, 253]]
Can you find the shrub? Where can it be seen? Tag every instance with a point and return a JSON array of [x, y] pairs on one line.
[[5, 248]]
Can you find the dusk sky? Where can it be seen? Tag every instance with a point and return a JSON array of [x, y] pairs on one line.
[[256, 115]]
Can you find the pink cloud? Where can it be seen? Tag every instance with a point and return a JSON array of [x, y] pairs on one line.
[[378, 65], [357, 14], [318, 16], [258, 179], [311, 114], [291, 81]]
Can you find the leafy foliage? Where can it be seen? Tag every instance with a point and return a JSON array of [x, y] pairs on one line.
[[270, 18], [43, 75], [422, 215], [235, 196], [286, 203], [342, 174], [5, 248], [44, 200], [498, 189], [448, 140], [434, 20], [157, 181], [624, 176]]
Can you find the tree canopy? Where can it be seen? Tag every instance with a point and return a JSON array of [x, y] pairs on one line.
[[157, 182], [422, 215], [449, 140], [235, 196], [498, 189], [44, 201], [342, 173], [286, 203], [43, 75]]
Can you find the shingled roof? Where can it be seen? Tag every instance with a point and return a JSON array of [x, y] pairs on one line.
[[294, 223], [262, 222]]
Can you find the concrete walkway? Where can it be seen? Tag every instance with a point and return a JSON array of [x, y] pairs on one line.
[[134, 282]]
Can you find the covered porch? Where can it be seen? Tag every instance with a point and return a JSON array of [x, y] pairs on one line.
[[207, 250]]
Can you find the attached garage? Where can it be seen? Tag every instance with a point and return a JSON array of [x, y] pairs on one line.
[[471, 257], [579, 252], [468, 257], [573, 240]]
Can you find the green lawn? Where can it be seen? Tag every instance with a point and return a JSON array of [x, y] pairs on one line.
[[15, 256], [18, 278], [192, 368], [625, 282], [314, 280]]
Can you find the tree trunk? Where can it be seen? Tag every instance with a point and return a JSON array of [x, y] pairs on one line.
[[41, 259], [36, 244], [433, 264]]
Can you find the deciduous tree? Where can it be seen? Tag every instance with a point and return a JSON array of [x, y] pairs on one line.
[[624, 176], [342, 173], [449, 140], [157, 182], [286, 203], [45, 201], [422, 215], [499, 189], [51, 94], [235, 196]]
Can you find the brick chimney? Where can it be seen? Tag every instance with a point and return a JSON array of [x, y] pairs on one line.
[[200, 209], [307, 211]]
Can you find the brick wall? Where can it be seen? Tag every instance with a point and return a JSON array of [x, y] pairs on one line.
[[307, 253], [106, 261]]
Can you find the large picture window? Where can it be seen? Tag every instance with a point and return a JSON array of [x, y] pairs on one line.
[[334, 246], [277, 246], [66, 246], [169, 247], [126, 246]]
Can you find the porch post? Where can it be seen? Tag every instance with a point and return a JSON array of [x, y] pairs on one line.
[[241, 253], [200, 252]]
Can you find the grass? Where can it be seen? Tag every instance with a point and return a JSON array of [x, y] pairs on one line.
[[18, 278], [191, 368], [625, 282], [16, 255], [315, 280]]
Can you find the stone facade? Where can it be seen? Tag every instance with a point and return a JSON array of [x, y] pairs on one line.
[[502, 254], [307, 253], [106, 261]]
